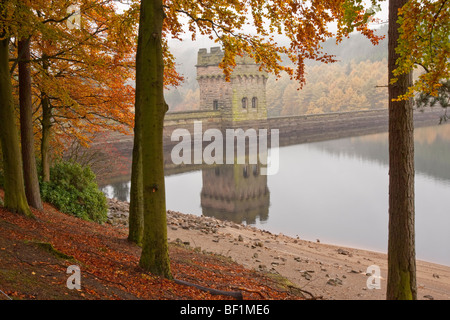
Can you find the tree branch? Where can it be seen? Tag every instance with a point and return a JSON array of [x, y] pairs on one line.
[[235, 294]]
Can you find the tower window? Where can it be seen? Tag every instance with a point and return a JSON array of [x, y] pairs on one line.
[[254, 102], [255, 170], [215, 105], [244, 103], [245, 171]]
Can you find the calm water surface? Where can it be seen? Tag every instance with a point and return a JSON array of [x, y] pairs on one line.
[[335, 191]]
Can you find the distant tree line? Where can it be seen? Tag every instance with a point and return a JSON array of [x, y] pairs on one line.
[[337, 87], [357, 82]]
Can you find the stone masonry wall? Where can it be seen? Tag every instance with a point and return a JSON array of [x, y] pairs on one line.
[[292, 130], [243, 98]]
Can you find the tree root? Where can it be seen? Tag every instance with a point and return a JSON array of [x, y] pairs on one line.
[[235, 294]]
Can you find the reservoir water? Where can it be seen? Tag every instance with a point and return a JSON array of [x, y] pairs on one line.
[[335, 191]]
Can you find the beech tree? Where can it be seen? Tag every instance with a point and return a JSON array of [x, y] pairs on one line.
[[401, 248], [80, 72], [151, 108], [304, 24], [79, 81], [66, 65], [423, 43], [418, 35], [26, 126], [84, 78], [15, 197]]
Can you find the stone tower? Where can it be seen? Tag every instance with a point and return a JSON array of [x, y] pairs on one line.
[[243, 98]]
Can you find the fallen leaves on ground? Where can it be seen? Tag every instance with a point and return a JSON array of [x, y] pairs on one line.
[[109, 264]]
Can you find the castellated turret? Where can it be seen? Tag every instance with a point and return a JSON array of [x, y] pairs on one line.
[[242, 98]]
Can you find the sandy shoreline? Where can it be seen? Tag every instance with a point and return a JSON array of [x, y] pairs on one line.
[[324, 270]]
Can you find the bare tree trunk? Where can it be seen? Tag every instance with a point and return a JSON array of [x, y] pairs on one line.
[[45, 142], [15, 198], [26, 127], [401, 246], [152, 107], [46, 127], [136, 212]]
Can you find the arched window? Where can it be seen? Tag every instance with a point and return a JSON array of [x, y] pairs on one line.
[[244, 103], [254, 102], [245, 171], [215, 105], [255, 170]]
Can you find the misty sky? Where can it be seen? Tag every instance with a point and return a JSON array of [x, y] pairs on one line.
[[205, 42]]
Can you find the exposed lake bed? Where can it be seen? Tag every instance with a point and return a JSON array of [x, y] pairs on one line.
[[326, 271], [334, 190]]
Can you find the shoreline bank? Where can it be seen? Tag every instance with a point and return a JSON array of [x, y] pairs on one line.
[[327, 271]]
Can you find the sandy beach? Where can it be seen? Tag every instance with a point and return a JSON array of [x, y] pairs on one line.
[[325, 271]]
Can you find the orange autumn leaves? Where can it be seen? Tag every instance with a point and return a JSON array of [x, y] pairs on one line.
[[424, 41], [108, 264], [86, 72], [91, 68], [254, 27]]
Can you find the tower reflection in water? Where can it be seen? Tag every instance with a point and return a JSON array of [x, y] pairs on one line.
[[235, 192]]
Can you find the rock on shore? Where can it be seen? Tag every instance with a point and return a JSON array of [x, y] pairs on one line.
[[118, 212], [325, 270]]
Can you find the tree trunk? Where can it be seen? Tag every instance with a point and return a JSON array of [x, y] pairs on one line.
[[15, 198], [401, 283], [46, 127], [152, 108], [136, 212], [45, 142], [26, 127]]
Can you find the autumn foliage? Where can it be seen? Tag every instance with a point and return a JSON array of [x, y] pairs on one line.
[[424, 44], [108, 264], [85, 72], [304, 25], [82, 80]]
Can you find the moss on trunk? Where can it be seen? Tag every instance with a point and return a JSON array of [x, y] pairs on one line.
[[136, 211], [401, 282], [46, 130], [32, 190], [151, 104], [15, 198]]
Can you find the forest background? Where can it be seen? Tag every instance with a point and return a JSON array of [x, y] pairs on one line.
[[358, 81]]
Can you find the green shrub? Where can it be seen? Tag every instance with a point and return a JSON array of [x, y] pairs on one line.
[[74, 191]]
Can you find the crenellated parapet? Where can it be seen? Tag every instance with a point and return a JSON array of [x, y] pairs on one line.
[[243, 98], [212, 58]]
